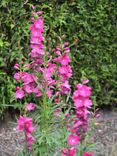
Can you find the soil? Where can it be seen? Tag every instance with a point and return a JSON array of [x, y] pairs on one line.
[[105, 135], [106, 132], [10, 138]]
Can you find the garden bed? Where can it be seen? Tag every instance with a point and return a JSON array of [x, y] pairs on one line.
[[105, 135], [9, 137], [106, 132]]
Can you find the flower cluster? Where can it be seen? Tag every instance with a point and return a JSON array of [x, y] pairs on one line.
[[30, 106], [25, 124], [29, 79], [72, 152], [64, 69], [82, 103], [55, 72], [72, 140], [36, 42]]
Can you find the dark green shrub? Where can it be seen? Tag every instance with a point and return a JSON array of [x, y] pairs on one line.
[[13, 45]]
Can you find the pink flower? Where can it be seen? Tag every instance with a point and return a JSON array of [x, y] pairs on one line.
[[49, 93], [84, 90], [33, 7], [17, 76], [67, 50], [30, 140], [67, 115], [66, 43], [69, 152], [88, 154], [65, 87], [27, 78], [30, 106], [40, 46], [36, 53], [58, 52], [81, 101], [16, 66], [28, 89], [52, 67], [39, 24], [65, 71], [77, 124], [37, 91], [33, 13], [85, 81], [25, 124], [19, 94], [87, 103], [36, 33], [73, 140], [63, 59], [32, 19], [72, 152], [57, 112], [39, 12], [37, 39], [56, 100], [39, 94]]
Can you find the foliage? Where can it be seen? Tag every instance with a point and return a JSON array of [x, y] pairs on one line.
[[13, 41], [89, 26]]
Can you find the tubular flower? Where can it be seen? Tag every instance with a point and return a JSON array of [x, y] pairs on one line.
[[69, 152], [25, 124], [73, 140]]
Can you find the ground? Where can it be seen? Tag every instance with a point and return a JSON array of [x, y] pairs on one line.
[[105, 135], [9, 137]]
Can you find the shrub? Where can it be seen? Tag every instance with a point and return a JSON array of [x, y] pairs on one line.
[[14, 35]]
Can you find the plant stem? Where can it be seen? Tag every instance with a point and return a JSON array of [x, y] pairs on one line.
[[26, 145]]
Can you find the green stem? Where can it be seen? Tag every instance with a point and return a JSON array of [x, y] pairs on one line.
[[26, 145]]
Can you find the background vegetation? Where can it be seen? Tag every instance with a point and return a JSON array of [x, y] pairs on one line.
[[90, 26]]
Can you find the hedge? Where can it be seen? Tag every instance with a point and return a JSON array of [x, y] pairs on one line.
[[88, 25]]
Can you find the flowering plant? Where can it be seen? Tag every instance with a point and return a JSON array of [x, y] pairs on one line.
[[61, 126]]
